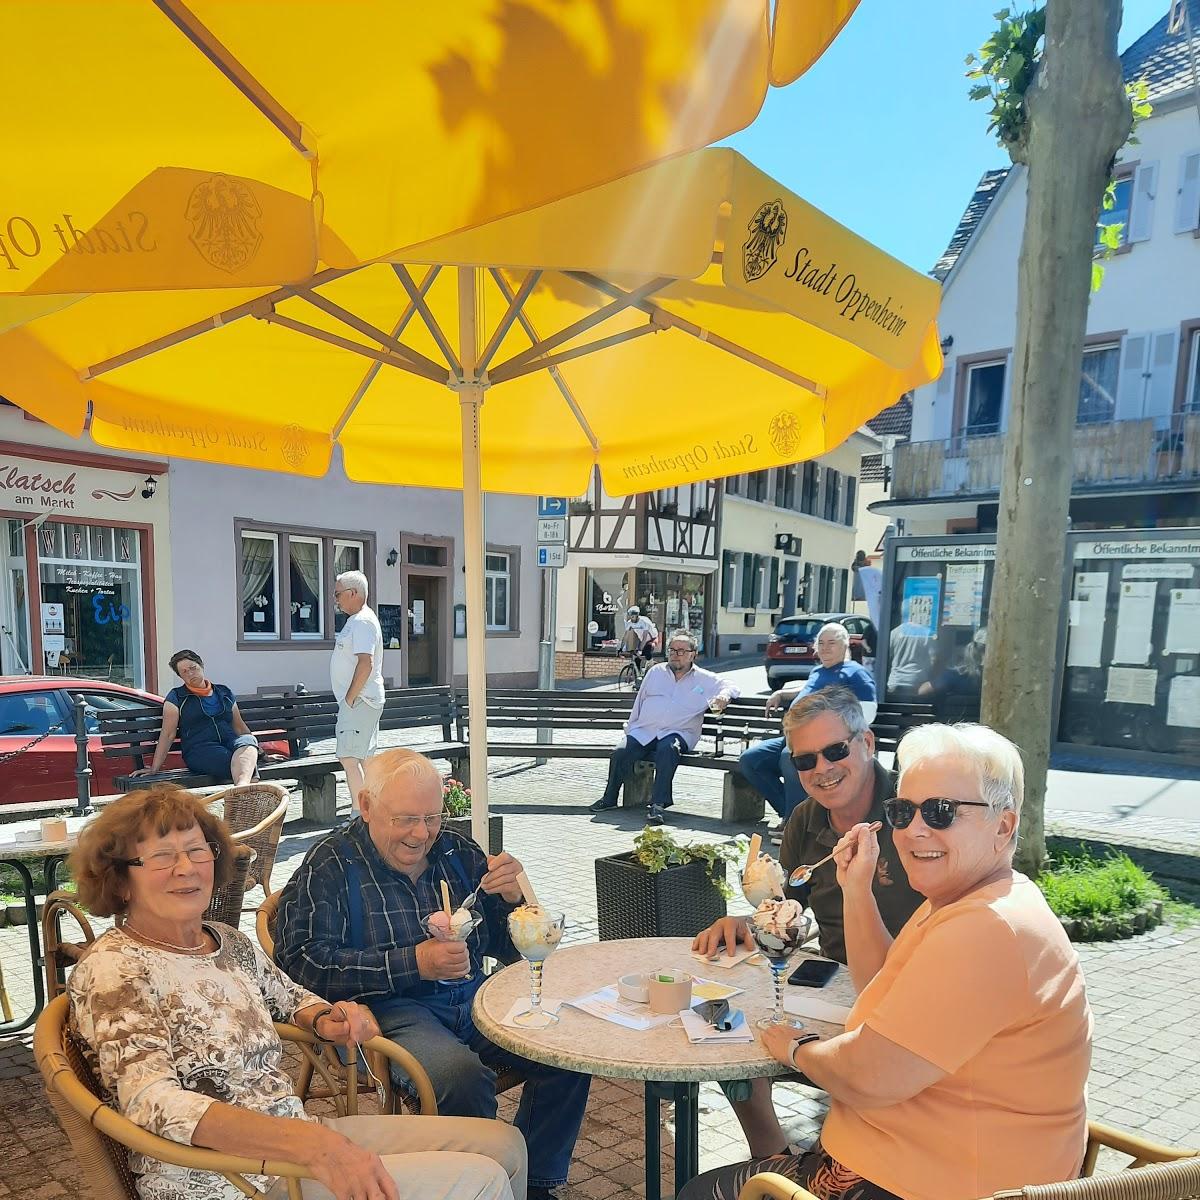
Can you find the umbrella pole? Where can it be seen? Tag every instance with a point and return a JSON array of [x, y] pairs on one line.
[[470, 397]]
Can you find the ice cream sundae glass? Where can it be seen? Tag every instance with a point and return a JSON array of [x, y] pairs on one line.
[[455, 926], [535, 933], [778, 927]]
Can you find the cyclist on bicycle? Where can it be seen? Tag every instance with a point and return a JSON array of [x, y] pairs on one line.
[[640, 635]]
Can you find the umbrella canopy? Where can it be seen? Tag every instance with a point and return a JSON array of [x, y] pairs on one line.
[[515, 356], [231, 143]]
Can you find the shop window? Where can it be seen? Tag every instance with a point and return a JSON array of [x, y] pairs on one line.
[[1098, 384], [307, 591], [497, 583], [607, 593]]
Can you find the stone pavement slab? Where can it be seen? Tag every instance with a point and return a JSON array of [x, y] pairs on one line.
[[1145, 994]]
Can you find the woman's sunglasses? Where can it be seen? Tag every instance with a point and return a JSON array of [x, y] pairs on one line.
[[832, 753], [937, 812]]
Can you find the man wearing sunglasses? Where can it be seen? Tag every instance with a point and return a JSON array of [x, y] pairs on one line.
[[833, 751]]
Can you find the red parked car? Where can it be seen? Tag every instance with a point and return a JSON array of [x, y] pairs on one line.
[[32, 704]]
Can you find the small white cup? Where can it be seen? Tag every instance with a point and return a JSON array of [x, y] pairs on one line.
[[634, 988]]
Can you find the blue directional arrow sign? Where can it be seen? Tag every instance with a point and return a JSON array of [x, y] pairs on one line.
[[552, 506]]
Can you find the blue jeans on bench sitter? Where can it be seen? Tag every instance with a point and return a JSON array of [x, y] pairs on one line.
[[767, 768], [459, 1060], [665, 752]]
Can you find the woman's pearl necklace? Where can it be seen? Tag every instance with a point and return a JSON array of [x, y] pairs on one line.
[[145, 937]]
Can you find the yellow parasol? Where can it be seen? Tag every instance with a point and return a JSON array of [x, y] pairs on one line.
[[516, 356]]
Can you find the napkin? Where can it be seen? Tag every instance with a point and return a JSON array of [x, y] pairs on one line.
[[521, 1005], [700, 1031], [815, 1008], [721, 959]]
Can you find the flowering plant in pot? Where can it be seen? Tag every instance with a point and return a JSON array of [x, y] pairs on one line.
[[456, 805]]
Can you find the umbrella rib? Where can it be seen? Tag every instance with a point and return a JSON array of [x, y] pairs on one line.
[[698, 331], [623, 301], [248, 309], [514, 309], [223, 59], [382, 356], [431, 324], [506, 371], [366, 328], [373, 369], [555, 373]]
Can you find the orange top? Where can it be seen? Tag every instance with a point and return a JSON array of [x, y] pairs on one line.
[[204, 690], [990, 990]]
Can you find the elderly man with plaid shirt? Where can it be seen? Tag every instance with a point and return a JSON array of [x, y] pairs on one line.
[[350, 928]]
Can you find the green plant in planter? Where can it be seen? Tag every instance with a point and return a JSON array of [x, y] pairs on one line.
[[456, 799], [1098, 898], [656, 850]]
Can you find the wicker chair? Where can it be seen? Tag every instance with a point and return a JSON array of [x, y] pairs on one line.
[[254, 813], [507, 1078], [102, 1138], [58, 955], [226, 902], [1162, 1173]]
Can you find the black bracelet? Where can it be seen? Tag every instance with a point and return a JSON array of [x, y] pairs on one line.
[[800, 1041], [316, 1017]]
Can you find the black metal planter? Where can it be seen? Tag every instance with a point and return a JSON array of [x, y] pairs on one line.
[[678, 901], [462, 825]]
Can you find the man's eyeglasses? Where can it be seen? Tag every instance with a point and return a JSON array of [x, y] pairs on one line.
[[404, 823], [832, 753], [681, 650], [937, 812], [165, 860]]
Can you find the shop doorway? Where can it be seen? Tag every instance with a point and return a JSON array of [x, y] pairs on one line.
[[426, 618], [675, 600], [14, 602]]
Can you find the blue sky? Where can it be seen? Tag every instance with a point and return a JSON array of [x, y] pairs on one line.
[[880, 134]]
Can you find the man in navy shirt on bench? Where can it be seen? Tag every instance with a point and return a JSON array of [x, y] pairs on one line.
[[767, 765]]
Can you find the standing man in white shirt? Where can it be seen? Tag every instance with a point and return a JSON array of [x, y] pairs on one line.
[[356, 674], [666, 719]]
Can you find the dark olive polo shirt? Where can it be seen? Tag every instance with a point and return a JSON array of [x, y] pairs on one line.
[[809, 837]]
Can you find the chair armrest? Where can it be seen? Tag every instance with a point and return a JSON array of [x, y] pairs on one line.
[[766, 1185], [276, 814], [1138, 1148]]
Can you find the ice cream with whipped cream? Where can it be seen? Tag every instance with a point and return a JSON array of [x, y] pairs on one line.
[[762, 880], [534, 931], [778, 926]]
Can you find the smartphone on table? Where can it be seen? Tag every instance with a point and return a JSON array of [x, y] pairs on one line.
[[813, 972]]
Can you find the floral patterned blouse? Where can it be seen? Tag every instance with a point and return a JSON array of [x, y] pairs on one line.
[[168, 1034]]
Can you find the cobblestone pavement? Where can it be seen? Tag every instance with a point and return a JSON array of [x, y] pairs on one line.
[[1145, 993]]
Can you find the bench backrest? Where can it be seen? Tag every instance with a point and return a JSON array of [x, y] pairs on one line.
[[296, 719]]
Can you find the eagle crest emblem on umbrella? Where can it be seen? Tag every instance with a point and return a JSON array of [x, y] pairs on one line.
[[226, 221], [293, 445], [784, 432], [768, 228]]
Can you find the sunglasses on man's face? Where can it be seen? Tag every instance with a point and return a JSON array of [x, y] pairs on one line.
[[832, 753], [937, 812]]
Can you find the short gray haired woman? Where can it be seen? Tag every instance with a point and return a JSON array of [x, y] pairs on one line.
[[963, 1066]]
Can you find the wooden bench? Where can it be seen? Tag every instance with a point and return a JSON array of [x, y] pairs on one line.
[[298, 720]]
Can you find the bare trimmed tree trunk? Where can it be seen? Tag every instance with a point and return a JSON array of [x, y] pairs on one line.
[[1078, 118]]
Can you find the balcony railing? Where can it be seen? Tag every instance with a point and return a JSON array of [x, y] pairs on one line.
[[1145, 451]]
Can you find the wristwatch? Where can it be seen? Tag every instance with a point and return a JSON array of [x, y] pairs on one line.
[[316, 1017], [808, 1037]]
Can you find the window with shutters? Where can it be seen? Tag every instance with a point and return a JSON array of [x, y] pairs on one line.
[[809, 484], [758, 485], [1187, 195], [729, 572], [771, 599], [1118, 214], [1191, 394], [984, 398], [851, 499], [746, 590], [833, 495]]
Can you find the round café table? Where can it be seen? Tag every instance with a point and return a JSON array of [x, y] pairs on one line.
[[671, 1067], [51, 855]]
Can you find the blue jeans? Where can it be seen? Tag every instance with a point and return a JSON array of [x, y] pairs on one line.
[[665, 752], [767, 768], [438, 1030]]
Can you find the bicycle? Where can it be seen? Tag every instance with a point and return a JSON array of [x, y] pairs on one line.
[[632, 673]]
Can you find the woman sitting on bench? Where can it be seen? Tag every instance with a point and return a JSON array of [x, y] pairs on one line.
[[215, 740]]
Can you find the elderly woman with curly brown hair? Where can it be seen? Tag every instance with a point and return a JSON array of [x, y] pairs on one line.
[[176, 1013]]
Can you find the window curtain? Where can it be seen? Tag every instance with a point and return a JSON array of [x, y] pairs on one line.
[[306, 558], [258, 558]]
